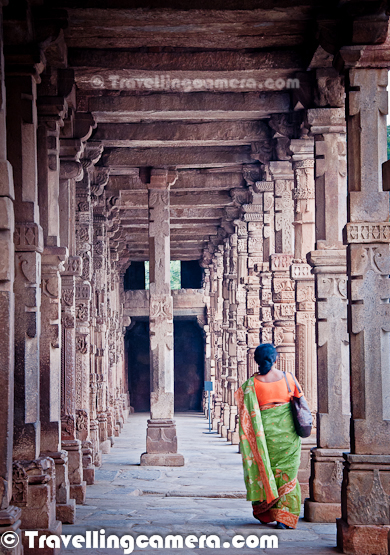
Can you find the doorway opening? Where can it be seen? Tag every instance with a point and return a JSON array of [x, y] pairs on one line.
[[188, 364]]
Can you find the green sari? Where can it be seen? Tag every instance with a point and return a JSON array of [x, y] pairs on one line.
[[271, 453]]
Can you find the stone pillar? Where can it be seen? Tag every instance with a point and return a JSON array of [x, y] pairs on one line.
[[9, 514], [254, 217], [86, 417], [329, 267], [38, 503], [51, 112], [364, 525], [225, 408], [161, 439], [70, 170], [232, 378], [242, 278], [283, 295], [304, 227]]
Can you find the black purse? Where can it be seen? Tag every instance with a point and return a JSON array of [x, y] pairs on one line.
[[303, 420]]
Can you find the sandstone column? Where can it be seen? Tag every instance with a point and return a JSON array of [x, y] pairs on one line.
[[161, 439], [327, 125], [9, 514], [35, 495], [283, 288], [70, 171], [364, 526], [304, 232], [52, 108]]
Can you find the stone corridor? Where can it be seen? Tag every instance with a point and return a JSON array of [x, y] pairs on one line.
[[206, 496]]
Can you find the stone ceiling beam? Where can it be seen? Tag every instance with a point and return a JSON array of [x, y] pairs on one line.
[[191, 106], [188, 180], [180, 157], [212, 199], [144, 135], [127, 28], [220, 60]]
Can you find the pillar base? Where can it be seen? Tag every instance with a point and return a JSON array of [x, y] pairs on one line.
[[10, 522], [66, 513], [321, 512], [78, 492], [55, 530], [162, 459], [362, 539], [105, 447]]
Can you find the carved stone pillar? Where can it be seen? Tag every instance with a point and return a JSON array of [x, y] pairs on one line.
[[225, 408], [283, 295], [161, 440], [254, 217], [9, 514], [242, 278], [86, 417], [329, 268], [364, 526], [28, 239], [304, 228], [70, 170], [232, 378]]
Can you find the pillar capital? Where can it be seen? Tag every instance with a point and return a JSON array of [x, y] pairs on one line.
[[162, 178]]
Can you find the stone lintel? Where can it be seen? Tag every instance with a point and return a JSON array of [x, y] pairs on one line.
[[325, 455], [328, 261], [326, 120], [368, 232], [367, 462], [373, 56]]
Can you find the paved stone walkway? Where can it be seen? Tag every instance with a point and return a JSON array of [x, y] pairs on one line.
[[206, 496]]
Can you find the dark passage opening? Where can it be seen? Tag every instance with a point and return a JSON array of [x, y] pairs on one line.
[[188, 365]]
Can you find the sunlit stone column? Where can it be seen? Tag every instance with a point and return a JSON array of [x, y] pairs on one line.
[[327, 125], [161, 439], [364, 526]]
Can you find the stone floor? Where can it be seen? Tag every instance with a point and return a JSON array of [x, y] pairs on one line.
[[206, 496]]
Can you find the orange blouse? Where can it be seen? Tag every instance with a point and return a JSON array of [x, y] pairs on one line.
[[275, 392]]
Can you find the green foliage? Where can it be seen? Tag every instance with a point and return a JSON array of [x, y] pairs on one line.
[[388, 142], [175, 274]]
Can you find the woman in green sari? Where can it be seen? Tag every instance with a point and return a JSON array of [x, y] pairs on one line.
[[269, 444]]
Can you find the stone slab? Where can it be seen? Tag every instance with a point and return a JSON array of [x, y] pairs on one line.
[[321, 512], [362, 540], [162, 459], [66, 513], [78, 492]]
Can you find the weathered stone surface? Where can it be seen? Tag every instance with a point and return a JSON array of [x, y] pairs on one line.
[[194, 106]]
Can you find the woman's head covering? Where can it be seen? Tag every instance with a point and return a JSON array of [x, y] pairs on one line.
[[265, 356]]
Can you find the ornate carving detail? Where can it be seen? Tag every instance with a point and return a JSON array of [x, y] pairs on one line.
[[368, 233], [81, 344], [73, 266], [281, 262], [374, 506], [67, 426], [301, 271], [19, 485], [67, 296], [161, 307], [99, 180], [28, 237], [82, 313], [81, 420], [68, 321], [252, 173]]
